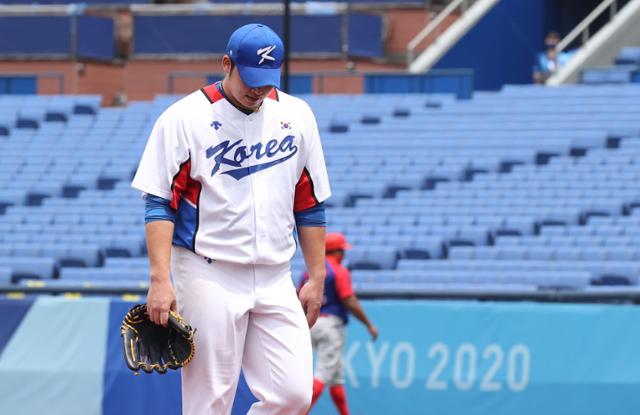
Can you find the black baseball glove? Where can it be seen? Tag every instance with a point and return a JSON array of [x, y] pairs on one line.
[[150, 347]]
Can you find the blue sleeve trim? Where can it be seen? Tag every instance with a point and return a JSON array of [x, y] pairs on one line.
[[314, 216], [157, 208]]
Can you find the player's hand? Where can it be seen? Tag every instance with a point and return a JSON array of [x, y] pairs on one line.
[[311, 299], [373, 331], [160, 299]]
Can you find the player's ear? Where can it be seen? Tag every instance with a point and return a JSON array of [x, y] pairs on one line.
[[227, 64]]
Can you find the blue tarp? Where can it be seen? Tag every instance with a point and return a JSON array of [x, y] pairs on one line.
[[96, 37], [365, 35], [209, 34], [35, 35]]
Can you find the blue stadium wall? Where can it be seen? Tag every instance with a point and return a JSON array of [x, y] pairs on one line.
[[502, 47], [60, 356]]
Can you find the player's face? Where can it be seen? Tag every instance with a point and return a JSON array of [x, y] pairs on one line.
[[243, 95]]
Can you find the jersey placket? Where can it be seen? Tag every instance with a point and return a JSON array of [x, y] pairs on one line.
[[252, 133]]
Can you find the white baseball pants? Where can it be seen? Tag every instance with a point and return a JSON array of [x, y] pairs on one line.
[[246, 316], [328, 337]]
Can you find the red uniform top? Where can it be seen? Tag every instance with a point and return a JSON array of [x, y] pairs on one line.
[[342, 278], [337, 287]]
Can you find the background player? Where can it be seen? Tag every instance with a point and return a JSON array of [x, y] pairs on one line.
[[328, 335], [229, 171]]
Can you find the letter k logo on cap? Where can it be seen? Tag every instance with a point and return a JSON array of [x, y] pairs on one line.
[[258, 52], [264, 53]]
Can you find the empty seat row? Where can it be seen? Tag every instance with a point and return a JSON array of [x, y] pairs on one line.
[[563, 253], [110, 222], [104, 273], [557, 279], [470, 235], [30, 267], [444, 290], [78, 254], [628, 270], [583, 240], [372, 257]]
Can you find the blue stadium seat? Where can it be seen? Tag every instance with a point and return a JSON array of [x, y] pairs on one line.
[[425, 247], [141, 262], [621, 253], [562, 279], [588, 239], [57, 250], [83, 274], [619, 75], [567, 253], [372, 257], [477, 235], [553, 230], [25, 250], [412, 264], [629, 55], [508, 240], [462, 252], [486, 252], [593, 253], [141, 275], [30, 267], [84, 255], [364, 276], [565, 240], [540, 253], [5, 274], [525, 225], [127, 246], [511, 252]]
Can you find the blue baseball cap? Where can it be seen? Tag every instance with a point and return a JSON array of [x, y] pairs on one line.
[[258, 54]]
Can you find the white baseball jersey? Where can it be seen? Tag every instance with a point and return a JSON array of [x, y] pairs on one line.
[[235, 179]]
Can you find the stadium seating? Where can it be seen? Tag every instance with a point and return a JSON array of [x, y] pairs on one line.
[[525, 189], [629, 55], [626, 69]]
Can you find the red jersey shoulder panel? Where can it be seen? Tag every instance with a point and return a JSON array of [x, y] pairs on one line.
[[344, 288], [305, 197], [212, 93], [184, 186]]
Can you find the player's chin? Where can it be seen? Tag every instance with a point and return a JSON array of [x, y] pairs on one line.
[[252, 102]]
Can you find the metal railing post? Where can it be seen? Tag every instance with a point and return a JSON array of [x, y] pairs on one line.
[[582, 29], [61, 83], [170, 87], [433, 27], [585, 35]]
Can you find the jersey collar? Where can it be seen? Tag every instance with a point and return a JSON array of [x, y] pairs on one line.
[[221, 91], [214, 93]]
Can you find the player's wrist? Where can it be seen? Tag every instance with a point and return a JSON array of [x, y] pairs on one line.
[[159, 278], [317, 283], [317, 276]]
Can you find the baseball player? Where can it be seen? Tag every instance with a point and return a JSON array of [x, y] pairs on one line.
[[329, 332], [229, 172]]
